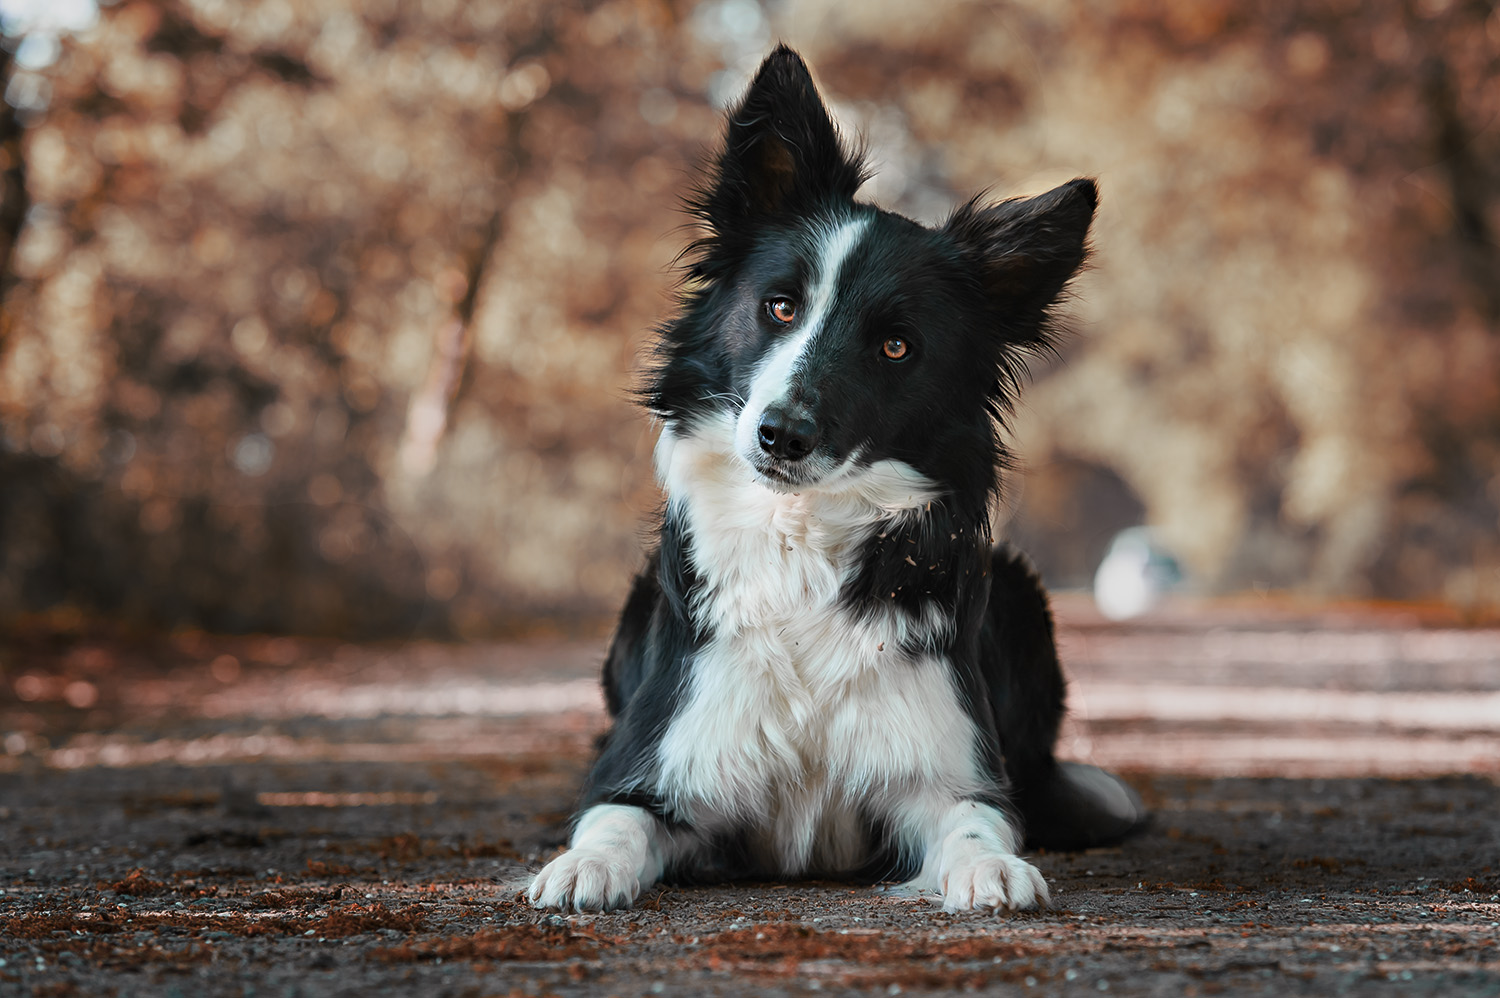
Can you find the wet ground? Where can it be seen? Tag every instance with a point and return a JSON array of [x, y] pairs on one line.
[[273, 817]]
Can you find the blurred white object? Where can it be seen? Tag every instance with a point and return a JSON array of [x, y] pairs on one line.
[[38, 23], [1134, 574]]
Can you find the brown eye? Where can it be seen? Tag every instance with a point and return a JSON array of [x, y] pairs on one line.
[[783, 310], [895, 348]]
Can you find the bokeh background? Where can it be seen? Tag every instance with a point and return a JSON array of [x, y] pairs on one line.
[[322, 317]]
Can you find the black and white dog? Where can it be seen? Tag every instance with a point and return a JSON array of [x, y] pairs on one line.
[[827, 668]]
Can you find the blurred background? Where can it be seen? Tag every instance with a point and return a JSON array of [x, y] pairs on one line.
[[321, 479], [323, 317]]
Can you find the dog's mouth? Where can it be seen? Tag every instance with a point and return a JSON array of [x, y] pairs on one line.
[[781, 476], [817, 471]]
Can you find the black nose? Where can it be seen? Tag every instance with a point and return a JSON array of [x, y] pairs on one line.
[[787, 436]]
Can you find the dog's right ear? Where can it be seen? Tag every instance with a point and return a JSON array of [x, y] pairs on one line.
[[1026, 250], [782, 153]]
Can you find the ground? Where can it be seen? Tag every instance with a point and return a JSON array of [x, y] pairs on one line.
[[267, 816]]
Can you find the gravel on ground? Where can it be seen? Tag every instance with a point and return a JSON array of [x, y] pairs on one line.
[[269, 816]]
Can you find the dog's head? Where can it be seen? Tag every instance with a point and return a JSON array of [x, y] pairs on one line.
[[835, 334]]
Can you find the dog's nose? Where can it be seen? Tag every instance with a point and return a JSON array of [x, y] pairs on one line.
[[786, 435]]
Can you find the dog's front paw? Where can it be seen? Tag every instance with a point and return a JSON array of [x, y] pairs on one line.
[[586, 880], [990, 881]]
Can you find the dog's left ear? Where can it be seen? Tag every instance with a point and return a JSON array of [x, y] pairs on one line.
[[782, 153], [1027, 249]]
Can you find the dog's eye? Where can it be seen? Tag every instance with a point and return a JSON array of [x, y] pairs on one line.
[[783, 310], [895, 348]]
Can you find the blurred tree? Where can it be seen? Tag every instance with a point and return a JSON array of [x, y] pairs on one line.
[[13, 199], [323, 317]]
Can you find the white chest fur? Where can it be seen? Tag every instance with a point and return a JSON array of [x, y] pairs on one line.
[[800, 715]]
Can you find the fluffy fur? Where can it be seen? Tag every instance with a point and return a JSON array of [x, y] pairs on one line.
[[827, 668]]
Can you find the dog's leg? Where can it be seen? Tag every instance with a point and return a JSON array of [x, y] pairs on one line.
[[625, 666], [970, 856], [1065, 805], [616, 852]]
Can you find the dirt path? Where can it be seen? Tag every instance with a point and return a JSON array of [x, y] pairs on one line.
[[271, 817]]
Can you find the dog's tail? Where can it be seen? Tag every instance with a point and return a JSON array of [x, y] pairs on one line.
[[1080, 807]]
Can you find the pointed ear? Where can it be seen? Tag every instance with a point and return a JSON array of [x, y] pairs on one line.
[[1027, 249], [781, 150]]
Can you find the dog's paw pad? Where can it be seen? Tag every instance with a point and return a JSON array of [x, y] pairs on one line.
[[585, 880], [994, 881]]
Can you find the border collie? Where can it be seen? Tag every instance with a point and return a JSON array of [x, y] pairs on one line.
[[827, 667]]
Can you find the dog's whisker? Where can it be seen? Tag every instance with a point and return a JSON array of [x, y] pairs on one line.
[[731, 396]]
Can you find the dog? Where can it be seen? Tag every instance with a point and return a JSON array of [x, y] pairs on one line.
[[827, 667]]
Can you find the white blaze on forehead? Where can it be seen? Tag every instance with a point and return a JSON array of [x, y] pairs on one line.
[[773, 378]]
